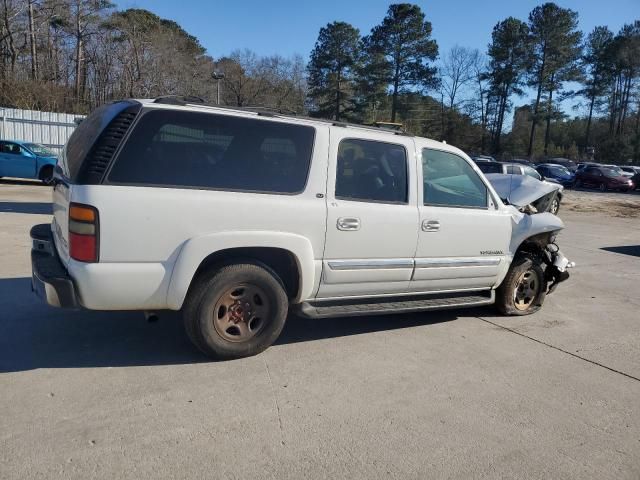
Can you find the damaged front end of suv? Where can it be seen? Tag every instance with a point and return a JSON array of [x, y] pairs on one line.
[[534, 232]]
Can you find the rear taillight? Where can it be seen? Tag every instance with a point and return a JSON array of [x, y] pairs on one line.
[[83, 232]]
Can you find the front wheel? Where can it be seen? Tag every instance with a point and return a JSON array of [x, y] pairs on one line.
[[46, 175], [555, 206], [523, 290], [603, 187], [236, 311], [577, 184]]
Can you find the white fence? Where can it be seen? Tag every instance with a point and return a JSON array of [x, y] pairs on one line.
[[47, 128]]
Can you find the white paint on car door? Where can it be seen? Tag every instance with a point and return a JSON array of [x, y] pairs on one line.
[[372, 214], [463, 239]]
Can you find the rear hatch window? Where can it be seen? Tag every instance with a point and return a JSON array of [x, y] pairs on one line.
[[93, 143], [181, 149]]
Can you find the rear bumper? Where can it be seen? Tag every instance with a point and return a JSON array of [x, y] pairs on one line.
[[49, 279]]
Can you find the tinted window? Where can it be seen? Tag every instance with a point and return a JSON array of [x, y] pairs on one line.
[[10, 148], [532, 173], [85, 135], [371, 171], [215, 151], [490, 167], [450, 181], [513, 170]]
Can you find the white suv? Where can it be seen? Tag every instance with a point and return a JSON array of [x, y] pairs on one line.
[[237, 217]]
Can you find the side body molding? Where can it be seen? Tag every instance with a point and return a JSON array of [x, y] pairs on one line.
[[196, 249]]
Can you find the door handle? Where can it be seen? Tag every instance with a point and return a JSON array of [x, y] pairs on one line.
[[430, 226], [348, 223]]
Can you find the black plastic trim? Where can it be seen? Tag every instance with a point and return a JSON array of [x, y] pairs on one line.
[[102, 153]]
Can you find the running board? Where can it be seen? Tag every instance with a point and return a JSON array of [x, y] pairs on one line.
[[390, 305]]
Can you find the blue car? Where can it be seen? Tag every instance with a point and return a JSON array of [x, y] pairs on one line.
[[26, 160], [556, 173]]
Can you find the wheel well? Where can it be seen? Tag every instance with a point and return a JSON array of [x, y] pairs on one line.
[[535, 244], [44, 168], [282, 262]]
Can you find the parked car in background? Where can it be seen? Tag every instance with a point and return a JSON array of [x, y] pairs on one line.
[[478, 159], [583, 165], [603, 178], [630, 171], [490, 167], [26, 160], [556, 173], [522, 161], [620, 171], [565, 162]]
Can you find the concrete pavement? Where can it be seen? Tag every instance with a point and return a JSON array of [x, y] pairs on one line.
[[450, 394]]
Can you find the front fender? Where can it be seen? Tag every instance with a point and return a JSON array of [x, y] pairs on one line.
[[525, 226], [197, 249], [43, 162]]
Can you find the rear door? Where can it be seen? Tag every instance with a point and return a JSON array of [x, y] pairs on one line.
[[463, 237], [372, 215]]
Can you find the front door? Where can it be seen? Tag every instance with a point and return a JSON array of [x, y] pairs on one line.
[[372, 214], [16, 161], [463, 238]]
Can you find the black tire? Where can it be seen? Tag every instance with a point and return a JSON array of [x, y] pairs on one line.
[[555, 206], [46, 175], [506, 302], [577, 184], [202, 312], [603, 187]]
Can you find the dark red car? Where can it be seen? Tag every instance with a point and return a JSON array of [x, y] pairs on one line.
[[603, 178]]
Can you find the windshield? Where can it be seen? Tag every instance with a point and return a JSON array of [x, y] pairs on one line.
[[609, 172], [39, 149], [558, 170]]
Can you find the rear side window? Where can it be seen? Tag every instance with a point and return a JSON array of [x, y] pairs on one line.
[[513, 170], [201, 150], [371, 171]]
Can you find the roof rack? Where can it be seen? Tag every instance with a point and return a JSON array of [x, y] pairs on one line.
[[185, 100], [179, 99]]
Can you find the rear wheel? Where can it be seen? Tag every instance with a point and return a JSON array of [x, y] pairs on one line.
[[523, 290], [577, 184], [236, 311], [46, 175]]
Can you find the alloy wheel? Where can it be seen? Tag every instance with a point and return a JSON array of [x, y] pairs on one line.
[[527, 290]]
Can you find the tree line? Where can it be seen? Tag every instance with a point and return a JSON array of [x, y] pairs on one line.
[[73, 55]]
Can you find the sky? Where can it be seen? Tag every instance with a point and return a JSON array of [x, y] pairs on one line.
[[287, 27]]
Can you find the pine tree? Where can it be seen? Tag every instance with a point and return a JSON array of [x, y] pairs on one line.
[[398, 51], [332, 68], [597, 66], [508, 53], [555, 43]]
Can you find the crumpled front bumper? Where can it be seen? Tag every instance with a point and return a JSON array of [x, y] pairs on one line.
[[49, 279], [557, 270]]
